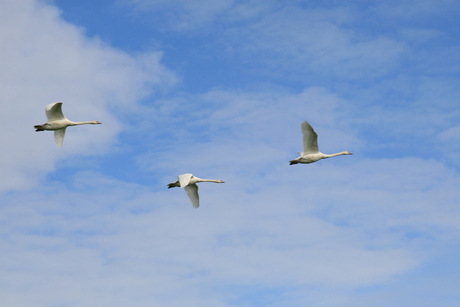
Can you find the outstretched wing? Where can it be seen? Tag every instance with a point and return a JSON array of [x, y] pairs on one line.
[[54, 111], [192, 192], [59, 136], [184, 179], [310, 139]]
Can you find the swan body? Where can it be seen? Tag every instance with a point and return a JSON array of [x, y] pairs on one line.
[[311, 152], [58, 123], [189, 183]]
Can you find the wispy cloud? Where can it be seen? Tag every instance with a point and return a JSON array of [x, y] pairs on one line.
[[182, 15], [303, 42]]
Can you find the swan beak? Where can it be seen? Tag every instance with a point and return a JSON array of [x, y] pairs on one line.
[[98, 122], [222, 181]]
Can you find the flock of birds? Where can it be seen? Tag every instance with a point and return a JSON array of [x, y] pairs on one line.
[[58, 123]]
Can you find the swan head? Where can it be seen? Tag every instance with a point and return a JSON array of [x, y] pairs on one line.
[[347, 153], [220, 181], [96, 122]]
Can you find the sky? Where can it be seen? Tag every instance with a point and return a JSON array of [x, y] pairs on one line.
[[219, 89]]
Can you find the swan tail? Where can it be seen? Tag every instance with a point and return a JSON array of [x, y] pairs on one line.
[[172, 185], [39, 128]]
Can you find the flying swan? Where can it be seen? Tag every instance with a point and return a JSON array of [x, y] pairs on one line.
[[311, 152], [189, 183], [57, 122]]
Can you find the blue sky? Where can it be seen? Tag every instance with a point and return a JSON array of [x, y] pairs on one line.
[[219, 89]]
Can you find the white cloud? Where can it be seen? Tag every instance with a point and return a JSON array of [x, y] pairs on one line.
[[359, 224], [46, 60]]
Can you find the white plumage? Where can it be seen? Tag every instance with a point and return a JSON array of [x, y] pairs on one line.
[[311, 152], [189, 183], [58, 123]]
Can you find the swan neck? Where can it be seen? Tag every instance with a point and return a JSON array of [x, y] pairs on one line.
[[81, 123], [208, 180], [336, 154]]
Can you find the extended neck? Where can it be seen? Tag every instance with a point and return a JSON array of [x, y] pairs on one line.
[[92, 122], [337, 154], [210, 180]]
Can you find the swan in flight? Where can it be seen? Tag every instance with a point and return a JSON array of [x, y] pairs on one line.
[[311, 152], [189, 183], [57, 122]]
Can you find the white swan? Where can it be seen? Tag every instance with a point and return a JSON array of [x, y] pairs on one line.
[[57, 122], [189, 183], [311, 152]]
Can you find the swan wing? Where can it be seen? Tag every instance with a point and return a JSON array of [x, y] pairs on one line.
[[184, 179], [310, 139], [59, 136], [54, 111], [192, 192]]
